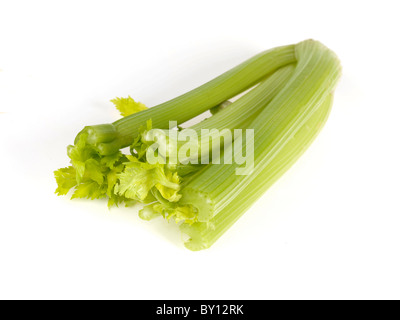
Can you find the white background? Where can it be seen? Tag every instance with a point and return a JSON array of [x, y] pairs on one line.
[[330, 228]]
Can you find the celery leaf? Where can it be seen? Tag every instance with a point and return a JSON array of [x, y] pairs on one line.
[[128, 106]]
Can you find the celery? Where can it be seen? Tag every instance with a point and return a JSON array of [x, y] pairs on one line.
[[287, 106], [108, 139], [238, 115]]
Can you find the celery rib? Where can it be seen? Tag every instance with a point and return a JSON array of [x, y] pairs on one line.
[[316, 74], [203, 234], [197, 101], [237, 115]]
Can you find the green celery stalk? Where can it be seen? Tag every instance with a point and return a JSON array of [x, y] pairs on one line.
[[317, 72], [238, 115], [109, 138], [203, 234]]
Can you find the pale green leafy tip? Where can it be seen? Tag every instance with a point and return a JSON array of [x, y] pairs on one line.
[[66, 180], [128, 106], [138, 178], [174, 212], [91, 175]]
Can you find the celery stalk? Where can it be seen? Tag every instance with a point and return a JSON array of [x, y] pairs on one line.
[[238, 115], [109, 138], [202, 234], [316, 75]]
